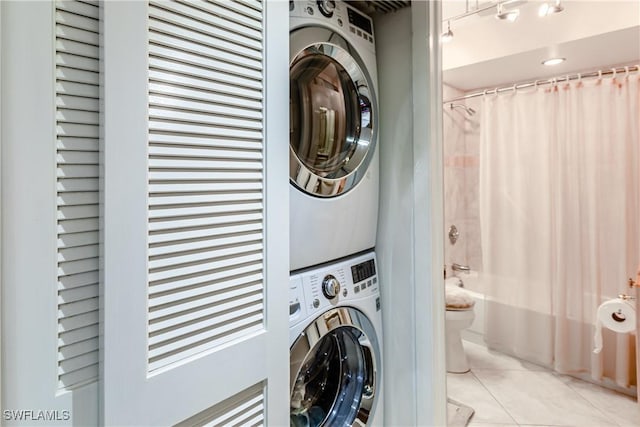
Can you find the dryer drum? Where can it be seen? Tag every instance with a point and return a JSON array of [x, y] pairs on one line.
[[332, 113], [334, 374]]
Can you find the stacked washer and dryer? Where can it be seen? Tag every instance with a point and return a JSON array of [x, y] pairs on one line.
[[334, 297]]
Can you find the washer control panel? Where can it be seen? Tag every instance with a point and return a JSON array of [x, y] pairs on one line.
[[319, 289]]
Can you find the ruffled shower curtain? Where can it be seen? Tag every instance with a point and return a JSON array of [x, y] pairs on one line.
[[560, 220]]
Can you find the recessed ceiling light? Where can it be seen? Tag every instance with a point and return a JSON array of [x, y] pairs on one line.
[[553, 61]]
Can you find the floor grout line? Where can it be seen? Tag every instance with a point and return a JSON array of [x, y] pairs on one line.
[[495, 398]]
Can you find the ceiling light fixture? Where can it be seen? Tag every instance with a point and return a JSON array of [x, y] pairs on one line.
[[509, 15], [548, 9], [553, 61], [448, 35]]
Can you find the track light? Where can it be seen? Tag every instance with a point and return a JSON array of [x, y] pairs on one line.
[[548, 9], [448, 35], [510, 15]]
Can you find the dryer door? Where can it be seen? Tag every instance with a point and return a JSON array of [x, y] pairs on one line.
[[334, 371], [333, 113]]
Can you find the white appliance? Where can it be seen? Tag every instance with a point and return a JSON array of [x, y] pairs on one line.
[[335, 338], [333, 165]]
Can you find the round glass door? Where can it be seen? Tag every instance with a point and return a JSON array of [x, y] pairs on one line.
[[333, 376], [332, 114]]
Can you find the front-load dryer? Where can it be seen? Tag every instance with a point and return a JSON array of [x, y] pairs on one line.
[[335, 339], [333, 154]]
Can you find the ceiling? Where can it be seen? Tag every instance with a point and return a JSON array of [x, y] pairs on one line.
[[486, 52]]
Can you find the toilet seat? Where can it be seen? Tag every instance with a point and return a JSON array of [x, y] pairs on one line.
[[457, 299]]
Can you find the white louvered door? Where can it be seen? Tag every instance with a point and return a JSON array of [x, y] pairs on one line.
[[50, 116], [195, 213]]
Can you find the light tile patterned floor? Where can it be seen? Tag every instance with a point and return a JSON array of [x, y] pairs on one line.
[[505, 391]]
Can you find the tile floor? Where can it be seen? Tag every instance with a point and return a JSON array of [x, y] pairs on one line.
[[507, 392]]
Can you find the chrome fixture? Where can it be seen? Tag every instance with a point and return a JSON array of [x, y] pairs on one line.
[[549, 9], [470, 111], [453, 234], [460, 268], [507, 15], [447, 36]]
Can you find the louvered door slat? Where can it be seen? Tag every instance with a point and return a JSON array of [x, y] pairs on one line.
[[68, 366], [77, 103], [205, 278], [171, 224], [208, 80], [78, 198], [194, 140], [76, 20], [83, 279], [212, 265], [77, 322], [71, 33], [77, 62], [171, 13], [193, 13], [165, 237], [205, 106], [172, 309], [77, 184], [77, 128], [74, 143], [77, 253], [203, 119], [74, 74], [203, 244], [189, 199], [78, 8]]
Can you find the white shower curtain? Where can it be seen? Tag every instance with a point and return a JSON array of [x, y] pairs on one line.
[[560, 220]]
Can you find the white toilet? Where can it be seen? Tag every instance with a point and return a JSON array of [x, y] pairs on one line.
[[459, 316]]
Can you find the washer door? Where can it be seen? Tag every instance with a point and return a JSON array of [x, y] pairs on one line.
[[333, 371], [333, 113]]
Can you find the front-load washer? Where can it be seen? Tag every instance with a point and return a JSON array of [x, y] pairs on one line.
[[333, 160], [335, 338]]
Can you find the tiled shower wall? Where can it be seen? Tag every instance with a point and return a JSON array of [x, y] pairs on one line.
[[461, 180]]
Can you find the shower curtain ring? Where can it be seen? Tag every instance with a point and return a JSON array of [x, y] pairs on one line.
[[614, 73], [579, 78], [599, 74], [626, 71]]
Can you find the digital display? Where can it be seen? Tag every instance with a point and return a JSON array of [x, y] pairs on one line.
[[363, 271], [360, 21]]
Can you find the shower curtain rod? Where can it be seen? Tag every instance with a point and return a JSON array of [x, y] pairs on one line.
[[599, 73]]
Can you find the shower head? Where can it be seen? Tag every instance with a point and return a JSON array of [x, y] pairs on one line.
[[470, 111]]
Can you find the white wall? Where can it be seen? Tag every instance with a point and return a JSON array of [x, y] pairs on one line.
[[409, 252]]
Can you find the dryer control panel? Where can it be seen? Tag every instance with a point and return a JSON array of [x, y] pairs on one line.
[[338, 14], [322, 288]]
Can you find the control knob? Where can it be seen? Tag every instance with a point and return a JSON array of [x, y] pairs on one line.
[[330, 287], [327, 7]]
